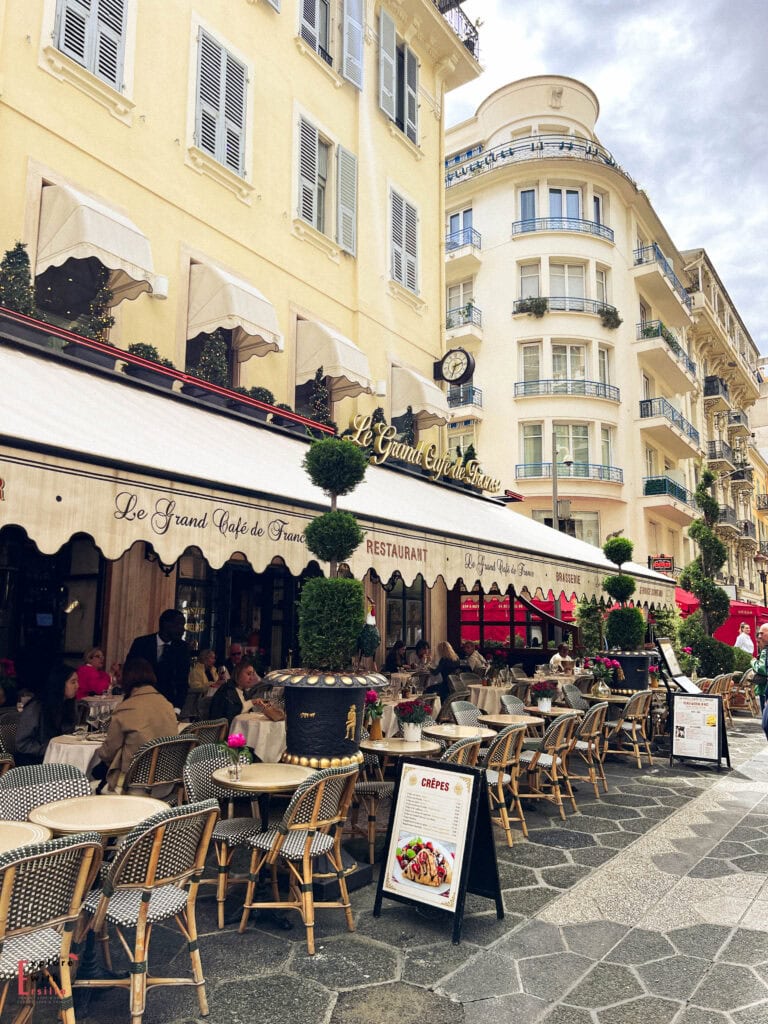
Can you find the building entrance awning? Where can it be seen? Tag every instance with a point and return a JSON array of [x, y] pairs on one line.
[[219, 299], [428, 402], [74, 225], [341, 360], [124, 473]]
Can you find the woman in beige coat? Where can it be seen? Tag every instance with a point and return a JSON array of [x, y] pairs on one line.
[[143, 715]]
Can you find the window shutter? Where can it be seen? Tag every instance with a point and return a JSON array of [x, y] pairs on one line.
[[387, 64], [208, 94], [398, 254], [352, 42], [411, 96], [110, 41], [411, 278], [307, 170], [74, 17], [234, 114], [309, 22], [346, 214]]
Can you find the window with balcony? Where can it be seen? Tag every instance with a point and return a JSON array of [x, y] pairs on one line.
[[460, 223], [460, 294], [582, 525], [529, 281], [221, 104], [572, 438], [532, 443], [569, 362], [606, 446], [601, 286], [460, 437], [645, 313], [316, 27], [404, 242], [528, 206], [650, 462], [565, 202], [530, 362], [598, 208], [566, 286], [93, 35], [398, 79], [316, 186], [604, 365]]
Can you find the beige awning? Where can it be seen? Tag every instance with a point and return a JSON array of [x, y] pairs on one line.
[[341, 360], [74, 225], [428, 402], [218, 299]]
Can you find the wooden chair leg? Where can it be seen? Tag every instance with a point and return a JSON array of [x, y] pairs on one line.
[[138, 987], [194, 956], [223, 860], [249, 890], [308, 903], [335, 859]]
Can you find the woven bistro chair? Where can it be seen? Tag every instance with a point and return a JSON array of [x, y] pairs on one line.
[[743, 696], [502, 769], [630, 730], [311, 826], [463, 751], [41, 891], [154, 876], [9, 723], [445, 715], [371, 789], [721, 686], [229, 832], [465, 712], [29, 786], [157, 768], [574, 698], [547, 764], [589, 746], [6, 763], [512, 705], [208, 730]]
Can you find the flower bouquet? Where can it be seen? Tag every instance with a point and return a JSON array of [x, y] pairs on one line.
[[412, 714], [689, 663], [238, 753], [372, 712], [543, 691], [604, 670]]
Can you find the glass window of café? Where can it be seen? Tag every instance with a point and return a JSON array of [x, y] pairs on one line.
[[486, 618], [405, 611]]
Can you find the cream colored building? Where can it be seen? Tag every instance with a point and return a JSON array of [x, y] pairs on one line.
[[592, 334]]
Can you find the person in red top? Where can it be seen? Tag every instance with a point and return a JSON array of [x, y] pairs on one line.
[[91, 677]]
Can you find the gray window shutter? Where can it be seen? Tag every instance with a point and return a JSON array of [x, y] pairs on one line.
[[352, 41], [411, 96], [309, 22], [73, 29], [398, 254], [234, 114], [387, 64], [209, 74], [110, 41], [411, 233], [307, 170], [346, 212]]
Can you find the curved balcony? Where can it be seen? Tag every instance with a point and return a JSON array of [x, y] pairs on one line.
[[667, 426], [577, 388], [573, 224], [738, 424], [466, 401], [564, 304], [577, 471], [532, 147]]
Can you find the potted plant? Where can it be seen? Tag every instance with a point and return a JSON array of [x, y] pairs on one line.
[[625, 625], [609, 317], [412, 714], [605, 672], [213, 367], [536, 306], [258, 393], [374, 709], [543, 693], [146, 373]]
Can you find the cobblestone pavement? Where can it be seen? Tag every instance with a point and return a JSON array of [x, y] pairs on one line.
[[650, 905]]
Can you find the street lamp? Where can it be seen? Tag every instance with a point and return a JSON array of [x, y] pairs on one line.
[[567, 461], [761, 562]]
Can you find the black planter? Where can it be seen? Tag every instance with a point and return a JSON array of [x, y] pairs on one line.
[[204, 395], [248, 410], [634, 665], [194, 390], [90, 355], [148, 376]]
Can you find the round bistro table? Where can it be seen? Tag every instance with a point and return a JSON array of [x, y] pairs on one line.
[[107, 814], [21, 833]]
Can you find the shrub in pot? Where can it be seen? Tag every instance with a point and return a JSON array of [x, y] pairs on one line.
[[625, 626]]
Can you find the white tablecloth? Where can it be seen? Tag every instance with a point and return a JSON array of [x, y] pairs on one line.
[[265, 738], [389, 724], [488, 698], [71, 750]]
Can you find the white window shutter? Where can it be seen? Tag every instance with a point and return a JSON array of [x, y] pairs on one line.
[[309, 22], [308, 140], [397, 236], [387, 64], [110, 41], [74, 28], [346, 214], [209, 73], [411, 96], [352, 41], [234, 114], [411, 235]]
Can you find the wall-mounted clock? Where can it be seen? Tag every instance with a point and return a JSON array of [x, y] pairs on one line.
[[456, 366]]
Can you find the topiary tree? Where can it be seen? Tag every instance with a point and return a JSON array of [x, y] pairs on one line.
[[16, 289], [625, 627], [98, 320], [698, 576], [408, 431], [589, 616], [213, 364]]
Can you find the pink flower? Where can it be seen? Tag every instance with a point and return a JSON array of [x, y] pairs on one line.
[[653, 668], [236, 740], [615, 664], [688, 650], [371, 697]]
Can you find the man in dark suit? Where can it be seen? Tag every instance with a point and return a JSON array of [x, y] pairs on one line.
[[169, 656]]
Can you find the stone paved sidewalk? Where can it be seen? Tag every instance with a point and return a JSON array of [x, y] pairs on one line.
[[650, 905]]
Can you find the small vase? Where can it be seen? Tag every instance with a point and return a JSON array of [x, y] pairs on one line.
[[411, 732], [234, 770], [374, 729], [545, 703]]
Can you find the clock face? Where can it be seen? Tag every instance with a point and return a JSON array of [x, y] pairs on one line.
[[455, 365]]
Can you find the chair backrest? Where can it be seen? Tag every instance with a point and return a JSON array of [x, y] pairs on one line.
[[638, 706], [559, 735], [512, 705], [446, 708], [591, 725], [29, 786], [504, 750], [463, 751], [456, 684], [159, 764], [465, 712], [43, 885], [6, 762], [573, 697], [470, 678], [9, 722], [209, 730], [320, 801], [199, 767], [521, 690], [519, 673]]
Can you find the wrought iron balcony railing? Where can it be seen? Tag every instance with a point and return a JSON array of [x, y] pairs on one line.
[[737, 419], [466, 236], [763, 548], [584, 227], [719, 451], [748, 529], [661, 407], [460, 24], [585, 388], [727, 517], [715, 387], [465, 394], [653, 254], [577, 471], [666, 485], [656, 329], [761, 500], [564, 304], [463, 315]]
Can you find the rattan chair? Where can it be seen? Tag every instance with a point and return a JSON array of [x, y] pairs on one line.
[[29, 786], [311, 827], [157, 768], [6, 763], [629, 731], [229, 832], [465, 712], [512, 705], [547, 764], [590, 736], [9, 723], [573, 697], [721, 686], [154, 876], [445, 714], [502, 765], [41, 891], [463, 751], [743, 697], [371, 789], [209, 730]]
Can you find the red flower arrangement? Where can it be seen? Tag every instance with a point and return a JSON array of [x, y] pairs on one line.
[[412, 712]]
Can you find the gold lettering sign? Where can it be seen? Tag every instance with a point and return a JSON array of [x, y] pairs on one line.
[[382, 439]]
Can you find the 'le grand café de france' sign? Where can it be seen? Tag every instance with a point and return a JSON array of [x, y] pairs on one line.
[[381, 438]]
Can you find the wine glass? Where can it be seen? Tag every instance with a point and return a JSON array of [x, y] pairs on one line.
[[93, 716]]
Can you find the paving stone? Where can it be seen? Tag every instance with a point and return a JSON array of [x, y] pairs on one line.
[[532, 855], [752, 1014], [564, 877], [568, 1015], [604, 985], [695, 1015], [728, 986], [744, 834], [617, 840], [486, 976], [709, 867], [674, 863], [345, 963], [403, 926], [228, 954], [394, 1004], [728, 849], [592, 856], [534, 938], [484, 929], [425, 965], [640, 947], [515, 876], [759, 846], [629, 799], [520, 1008], [567, 840], [675, 977], [600, 809], [528, 901], [702, 940], [638, 825], [593, 939], [661, 788], [647, 1008], [677, 800], [745, 947], [589, 824], [549, 977], [277, 999], [656, 813], [754, 862]]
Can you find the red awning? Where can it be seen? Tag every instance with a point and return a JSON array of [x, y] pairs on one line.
[[686, 601]]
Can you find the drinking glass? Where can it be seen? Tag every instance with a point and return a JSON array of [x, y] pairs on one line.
[[93, 716]]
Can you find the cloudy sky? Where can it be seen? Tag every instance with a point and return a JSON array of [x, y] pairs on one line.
[[683, 93]]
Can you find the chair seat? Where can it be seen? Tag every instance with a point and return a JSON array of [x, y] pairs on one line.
[[544, 761], [583, 745], [166, 901], [379, 789], [37, 949], [233, 831], [293, 847], [493, 777], [627, 726]]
